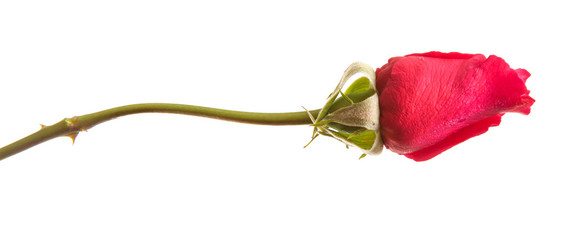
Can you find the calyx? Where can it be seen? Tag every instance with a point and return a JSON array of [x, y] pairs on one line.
[[352, 116]]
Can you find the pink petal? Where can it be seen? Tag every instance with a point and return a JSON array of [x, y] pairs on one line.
[[432, 101]]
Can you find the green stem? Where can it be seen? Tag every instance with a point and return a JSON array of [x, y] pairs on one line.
[[72, 126]]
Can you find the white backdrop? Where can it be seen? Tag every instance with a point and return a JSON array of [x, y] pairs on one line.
[[178, 177]]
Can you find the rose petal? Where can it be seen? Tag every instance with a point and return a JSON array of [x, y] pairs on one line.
[[456, 138], [432, 101]]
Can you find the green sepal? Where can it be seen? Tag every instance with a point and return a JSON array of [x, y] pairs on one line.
[[352, 116], [360, 85]]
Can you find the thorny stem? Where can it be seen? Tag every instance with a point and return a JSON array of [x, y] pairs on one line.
[[72, 126]]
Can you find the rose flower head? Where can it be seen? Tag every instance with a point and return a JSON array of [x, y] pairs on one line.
[[433, 101]]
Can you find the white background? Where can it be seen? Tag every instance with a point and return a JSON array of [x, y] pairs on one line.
[[178, 177]]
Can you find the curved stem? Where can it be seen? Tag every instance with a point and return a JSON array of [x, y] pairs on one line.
[[72, 126]]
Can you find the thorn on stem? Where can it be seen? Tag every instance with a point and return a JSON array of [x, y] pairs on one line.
[[72, 136]]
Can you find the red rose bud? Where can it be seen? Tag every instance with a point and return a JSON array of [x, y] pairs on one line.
[[433, 101]]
